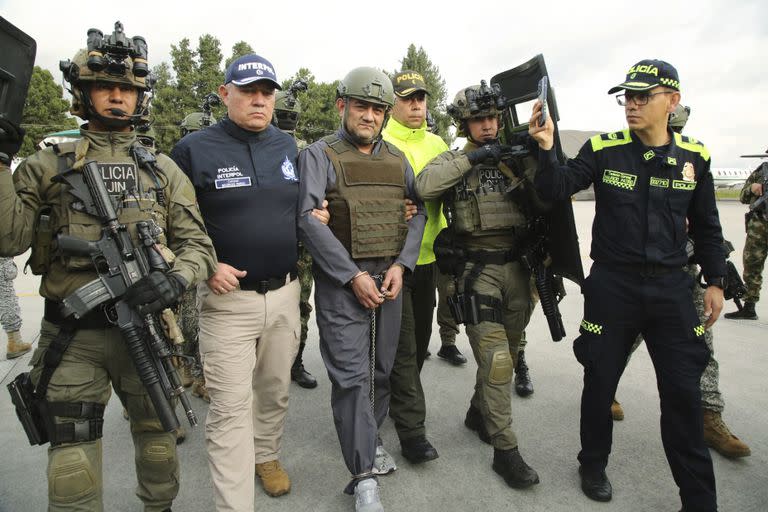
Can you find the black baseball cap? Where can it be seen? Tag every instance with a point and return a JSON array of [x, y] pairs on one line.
[[647, 74], [408, 82]]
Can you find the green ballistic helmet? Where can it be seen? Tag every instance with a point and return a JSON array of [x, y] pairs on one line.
[[367, 84], [78, 74], [475, 101], [195, 121], [679, 117], [287, 110]]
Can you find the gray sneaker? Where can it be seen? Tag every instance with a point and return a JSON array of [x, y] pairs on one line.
[[384, 463], [367, 496]]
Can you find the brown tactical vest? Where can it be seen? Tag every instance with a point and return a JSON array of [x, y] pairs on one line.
[[481, 205], [367, 204]]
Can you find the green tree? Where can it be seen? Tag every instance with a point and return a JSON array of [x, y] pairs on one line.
[[239, 49], [45, 110], [418, 60], [318, 112], [180, 89]]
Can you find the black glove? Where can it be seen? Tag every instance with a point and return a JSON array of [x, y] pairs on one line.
[[11, 138], [155, 292], [491, 152]]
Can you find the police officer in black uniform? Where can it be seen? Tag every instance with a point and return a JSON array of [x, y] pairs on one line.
[[648, 181]]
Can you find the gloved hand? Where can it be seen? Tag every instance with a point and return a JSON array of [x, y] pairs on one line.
[[11, 138], [155, 292], [491, 152]]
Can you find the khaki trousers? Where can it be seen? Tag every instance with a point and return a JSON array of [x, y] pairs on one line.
[[248, 341]]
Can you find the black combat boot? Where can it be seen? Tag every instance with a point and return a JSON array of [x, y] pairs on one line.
[[511, 466], [474, 421], [746, 313], [452, 354], [299, 374], [417, 450], [523, 384]]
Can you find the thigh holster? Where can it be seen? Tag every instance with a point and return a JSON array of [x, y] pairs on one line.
[[86, 424]]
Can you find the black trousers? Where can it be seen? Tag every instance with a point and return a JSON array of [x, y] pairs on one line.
[[617, 307], [407, 405]]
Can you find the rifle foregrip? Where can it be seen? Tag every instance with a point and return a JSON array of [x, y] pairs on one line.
[[148, 374]]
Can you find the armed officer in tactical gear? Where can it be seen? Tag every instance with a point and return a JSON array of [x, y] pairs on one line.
[[649, 183], [359, 261], [484, 203], [286, 117], [110, 91]]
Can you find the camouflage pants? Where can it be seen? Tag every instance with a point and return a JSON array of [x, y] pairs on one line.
[[304, 269], [10, 313], [711, 398], [755, 251], [188, 317]]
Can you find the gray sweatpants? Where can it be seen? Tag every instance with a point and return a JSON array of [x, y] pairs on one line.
[[344, 327]]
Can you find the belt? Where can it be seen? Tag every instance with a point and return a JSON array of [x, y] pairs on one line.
[[645, 269], [493, 257], [96, 319], [268, 285]]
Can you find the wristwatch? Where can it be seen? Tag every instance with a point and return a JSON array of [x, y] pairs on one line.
[[718, 281]]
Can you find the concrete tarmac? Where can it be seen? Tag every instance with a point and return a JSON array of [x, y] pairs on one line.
[[461, 479]]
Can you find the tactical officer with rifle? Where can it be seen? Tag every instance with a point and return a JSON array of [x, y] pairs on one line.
[[490, 205], [117, 236], [756, 245]]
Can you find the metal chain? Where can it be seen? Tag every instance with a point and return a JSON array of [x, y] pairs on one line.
[[372, 363]]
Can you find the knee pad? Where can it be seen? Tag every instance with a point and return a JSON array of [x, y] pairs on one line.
[[156, 461], [72, 476], [501, 368]]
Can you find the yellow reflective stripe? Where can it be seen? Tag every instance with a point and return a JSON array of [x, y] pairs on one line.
[[699, 330], [692, 145], [599, 143]]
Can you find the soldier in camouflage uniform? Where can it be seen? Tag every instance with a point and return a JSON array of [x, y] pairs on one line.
[[286, 117], [755, 247], [188, 311], [717, 435], [33, 209], [10, 313]]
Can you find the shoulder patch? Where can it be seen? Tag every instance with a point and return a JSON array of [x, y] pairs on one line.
[[607, 140], [692, 145]]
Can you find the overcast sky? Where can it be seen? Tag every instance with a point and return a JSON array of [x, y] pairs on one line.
[[718, 47]]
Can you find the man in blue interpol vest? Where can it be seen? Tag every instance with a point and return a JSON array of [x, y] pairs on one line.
[[244, 172]]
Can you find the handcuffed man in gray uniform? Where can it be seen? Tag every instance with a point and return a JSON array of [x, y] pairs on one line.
[[359, 260]]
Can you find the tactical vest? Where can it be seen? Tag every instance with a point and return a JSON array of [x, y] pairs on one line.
[[367, 204], [480, 204], [134, 192]]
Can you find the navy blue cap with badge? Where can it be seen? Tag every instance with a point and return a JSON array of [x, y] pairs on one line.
[[251, 68], [647, 74]]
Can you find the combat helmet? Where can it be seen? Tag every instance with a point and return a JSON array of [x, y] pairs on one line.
[[475, 101], [679, 117], [196, 121], [116, 60], [367, 84], [287, 110]]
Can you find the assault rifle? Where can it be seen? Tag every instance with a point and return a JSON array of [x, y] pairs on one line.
[[120, 263], [535, 254], [733, 287], [759, 208]]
